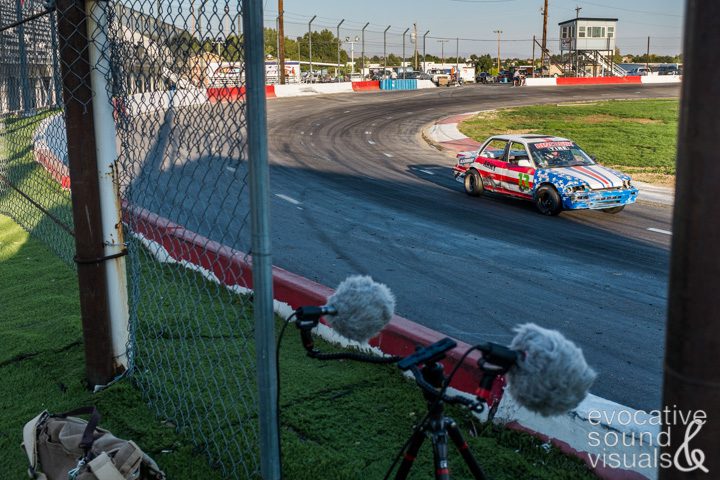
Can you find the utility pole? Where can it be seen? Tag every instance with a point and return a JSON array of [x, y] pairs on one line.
[[533, 59], [385, 50], [338, 47], [415, 62], [647, 56], [457, 59], [544, 39], [424, 65], [311, 78], [498, 42], [442, 50], [363, 49], [403, 60], [281, 41]]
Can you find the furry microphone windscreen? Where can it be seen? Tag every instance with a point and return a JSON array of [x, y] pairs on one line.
[[364, 307], [552, 378]]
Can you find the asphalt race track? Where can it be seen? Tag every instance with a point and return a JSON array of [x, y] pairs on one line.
[[356, 190]]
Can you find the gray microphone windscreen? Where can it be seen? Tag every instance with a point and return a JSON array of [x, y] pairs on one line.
[[364, 307], [552, 377]]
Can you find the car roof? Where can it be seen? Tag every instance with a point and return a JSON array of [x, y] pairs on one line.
[[530, 138]]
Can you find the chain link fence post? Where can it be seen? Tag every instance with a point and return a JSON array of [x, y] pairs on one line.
[[100, 363], [260, 223]]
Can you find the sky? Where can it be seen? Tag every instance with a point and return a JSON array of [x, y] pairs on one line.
[[474, 22]]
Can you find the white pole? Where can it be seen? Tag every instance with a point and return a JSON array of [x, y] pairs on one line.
[[105, 137]]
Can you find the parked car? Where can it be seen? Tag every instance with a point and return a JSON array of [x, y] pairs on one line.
[[483, 77], [669, 70], [553, 172]]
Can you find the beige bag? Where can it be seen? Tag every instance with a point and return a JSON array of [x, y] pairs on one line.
[[61, 447]]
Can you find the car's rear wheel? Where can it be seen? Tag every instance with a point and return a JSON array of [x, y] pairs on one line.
[[614, 209], [473, 183], [547, 200]]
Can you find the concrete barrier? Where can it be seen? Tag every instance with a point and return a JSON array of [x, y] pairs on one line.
[[398, 84], [50, 148], [597, 80], [152, 101], [425, 84], [303, 89], [661, 79], [366, 86], [540, 82]]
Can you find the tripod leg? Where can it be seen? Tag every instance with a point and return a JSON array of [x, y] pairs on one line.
[[416, 441], [462, 447], [440, 456]]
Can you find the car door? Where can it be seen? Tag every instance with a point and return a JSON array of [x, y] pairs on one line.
[[519, 171], [491, 162]]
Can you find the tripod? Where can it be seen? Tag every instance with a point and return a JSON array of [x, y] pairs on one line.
[[438, 427]]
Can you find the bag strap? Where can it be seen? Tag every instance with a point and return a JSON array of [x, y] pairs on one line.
[[104, 469], [88, 437], [30, 444]]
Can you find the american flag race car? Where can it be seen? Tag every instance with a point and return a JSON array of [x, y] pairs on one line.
[[552, 172]]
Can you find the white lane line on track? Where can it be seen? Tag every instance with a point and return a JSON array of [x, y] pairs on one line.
[[371, 142], [389, 155], [425, 171], [230, 169], [658, 230], [287, 199]]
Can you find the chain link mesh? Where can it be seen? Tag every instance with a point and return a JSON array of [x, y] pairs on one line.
[[34, 177], [174, 76]]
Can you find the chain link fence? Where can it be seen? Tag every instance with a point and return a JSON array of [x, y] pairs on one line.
[[174, 77]]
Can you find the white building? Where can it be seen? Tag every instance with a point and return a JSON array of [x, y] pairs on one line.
[[587, 46]]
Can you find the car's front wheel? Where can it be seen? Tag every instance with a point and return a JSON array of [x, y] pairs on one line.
[[547, 200], [614, 209], [473, 183]]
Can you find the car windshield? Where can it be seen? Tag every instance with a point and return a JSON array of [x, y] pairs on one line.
[[559, 154]]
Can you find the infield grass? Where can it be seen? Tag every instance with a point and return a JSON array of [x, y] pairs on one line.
[[340, 420], [638, 137]]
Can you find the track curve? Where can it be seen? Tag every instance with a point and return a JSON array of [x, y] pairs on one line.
[[356, 190]]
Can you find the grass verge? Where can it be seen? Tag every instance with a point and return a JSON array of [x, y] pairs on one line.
[[340, 420], [638, 137]]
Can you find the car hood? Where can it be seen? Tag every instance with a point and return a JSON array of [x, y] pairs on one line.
[[596, 176]]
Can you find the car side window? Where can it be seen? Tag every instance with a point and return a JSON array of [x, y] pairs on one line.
[[494, 149], [517, 152]]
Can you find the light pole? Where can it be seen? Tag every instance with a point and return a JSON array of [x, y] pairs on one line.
[[457, 60], [498, 42], [362, 54], [424, 66], [338, 45], [352, 53], [385, 50], [403, 60], [310, 46]]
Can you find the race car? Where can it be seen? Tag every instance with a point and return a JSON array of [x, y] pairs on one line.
[[553, 172]]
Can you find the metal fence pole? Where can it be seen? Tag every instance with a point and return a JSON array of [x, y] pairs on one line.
[[691, 376], [111, 217], [100, 367], [259, 181], [57, 83], [22, 52]]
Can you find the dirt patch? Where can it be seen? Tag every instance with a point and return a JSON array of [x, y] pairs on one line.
[[604, 118]]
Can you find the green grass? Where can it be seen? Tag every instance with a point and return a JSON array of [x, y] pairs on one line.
[[340, 420], [19, 168], [637, 136]]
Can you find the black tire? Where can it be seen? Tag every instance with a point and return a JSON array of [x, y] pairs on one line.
[[547, 200], [473, 183], [614, 209]]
